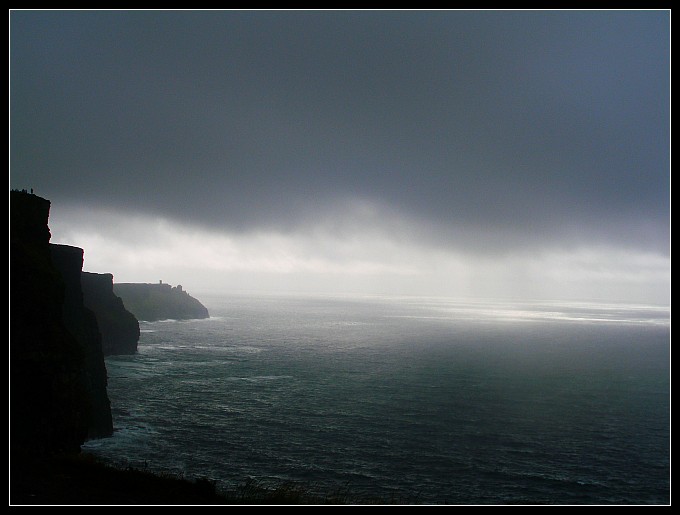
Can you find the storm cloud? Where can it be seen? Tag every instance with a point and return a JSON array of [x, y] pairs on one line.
[[483, 135]]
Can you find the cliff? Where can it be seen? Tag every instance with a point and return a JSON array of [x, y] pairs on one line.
[[119, 328], [83, 324], [50, 408], [159, 301]]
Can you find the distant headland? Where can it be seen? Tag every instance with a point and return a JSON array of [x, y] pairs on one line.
[[159, 301]]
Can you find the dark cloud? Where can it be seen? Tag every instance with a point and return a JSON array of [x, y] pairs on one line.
[[514, 127]]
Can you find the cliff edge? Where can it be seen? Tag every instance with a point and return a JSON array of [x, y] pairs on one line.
[[82, 323], [119, 328], [49, 403]]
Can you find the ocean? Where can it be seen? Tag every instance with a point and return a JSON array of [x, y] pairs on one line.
[[403, 399]]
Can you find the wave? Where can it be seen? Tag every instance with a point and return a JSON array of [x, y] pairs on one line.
[[258, 379]]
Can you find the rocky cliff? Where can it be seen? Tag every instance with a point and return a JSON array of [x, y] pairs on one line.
[[50, 408], [119, 328], [83, 324], [159, 301]]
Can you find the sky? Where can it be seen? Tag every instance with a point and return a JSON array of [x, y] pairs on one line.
[[514, 154]]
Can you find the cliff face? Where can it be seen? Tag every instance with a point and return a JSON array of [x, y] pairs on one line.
[[83, 324], [159, 301], [119, 328], [49, 401]]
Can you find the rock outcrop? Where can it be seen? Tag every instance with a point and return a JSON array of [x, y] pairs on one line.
[[118, 327], [159, 301], [50, 408]]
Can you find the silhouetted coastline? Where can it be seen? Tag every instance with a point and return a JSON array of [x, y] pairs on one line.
[[59, 318]]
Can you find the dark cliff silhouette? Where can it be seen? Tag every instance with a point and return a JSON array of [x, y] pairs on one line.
[[159, 301], [57, 381], [119, 328], [50, 408], [83, 324]]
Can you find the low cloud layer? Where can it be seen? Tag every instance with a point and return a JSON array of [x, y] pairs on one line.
[[375, 261]]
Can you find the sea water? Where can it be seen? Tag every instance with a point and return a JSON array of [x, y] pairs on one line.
[[404, 399]]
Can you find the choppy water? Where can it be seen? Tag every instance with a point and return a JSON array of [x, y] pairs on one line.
[[416, 400]]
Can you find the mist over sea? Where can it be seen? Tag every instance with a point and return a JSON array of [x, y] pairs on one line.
[[404, 399]]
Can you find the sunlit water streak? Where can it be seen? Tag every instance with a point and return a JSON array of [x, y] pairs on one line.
[[420, 400]]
